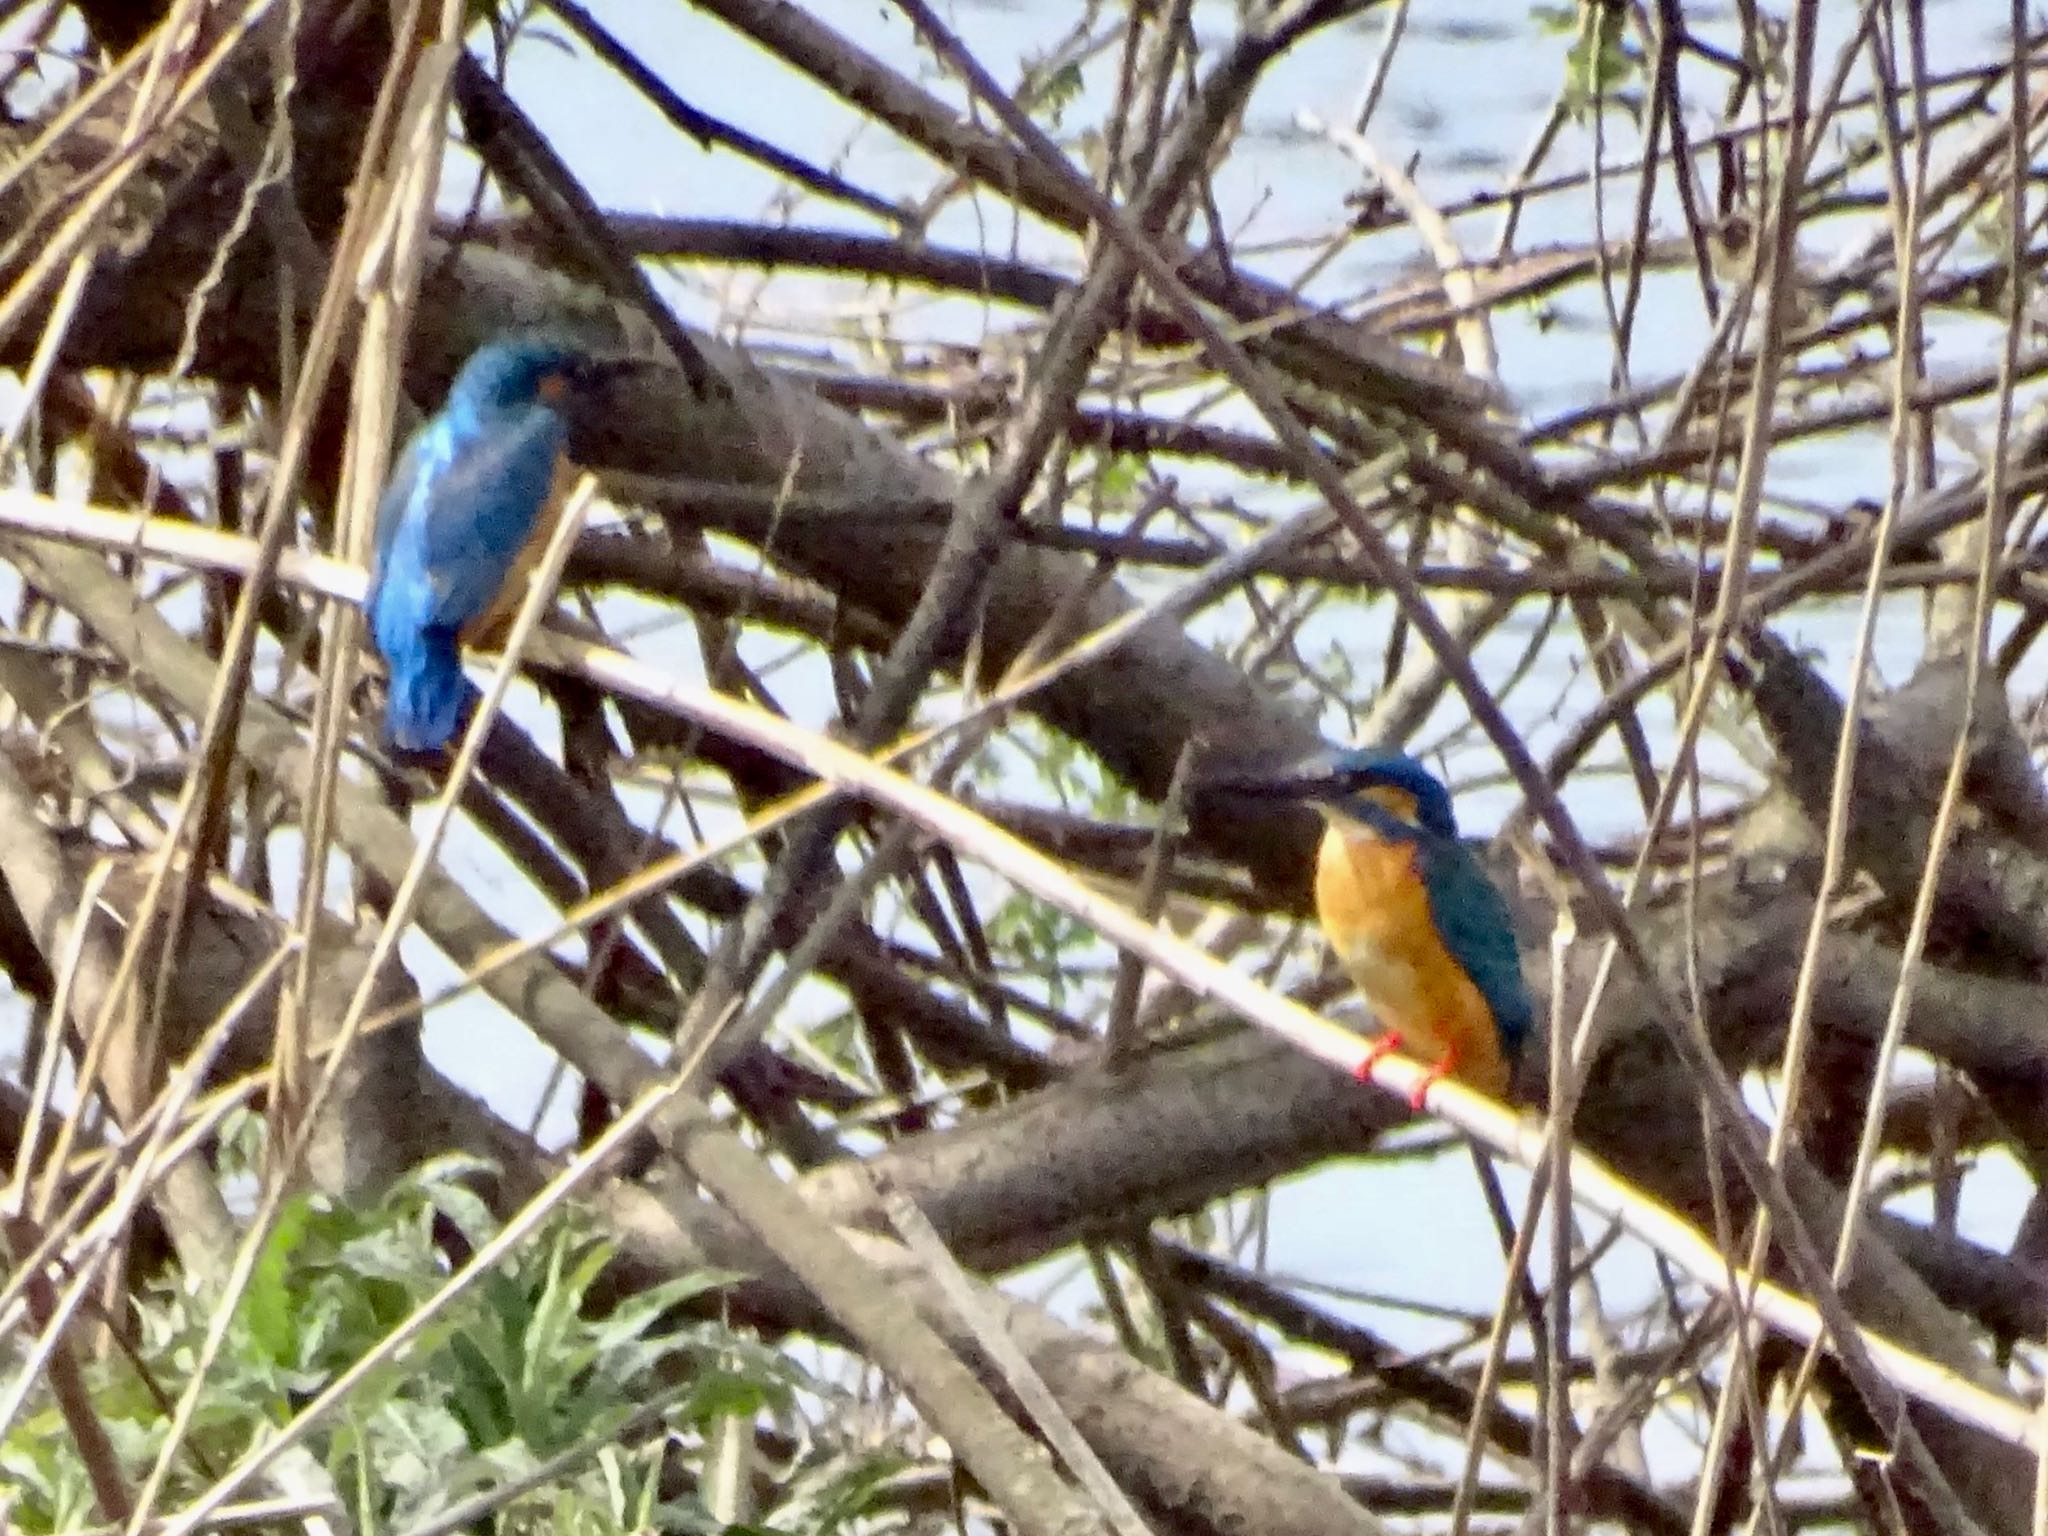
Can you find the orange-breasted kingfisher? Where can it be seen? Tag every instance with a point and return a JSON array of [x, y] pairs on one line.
[[1411, 914], [472, 501]]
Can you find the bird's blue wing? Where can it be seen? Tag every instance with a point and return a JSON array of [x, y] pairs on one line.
[[459, 509], [425, 452], [1478, 930], [463, 499], [481, 510]]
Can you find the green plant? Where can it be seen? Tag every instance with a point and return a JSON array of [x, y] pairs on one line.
[[535, 1369]]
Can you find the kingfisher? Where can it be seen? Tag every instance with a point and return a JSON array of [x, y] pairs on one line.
[[1411, 914], [472, 501]]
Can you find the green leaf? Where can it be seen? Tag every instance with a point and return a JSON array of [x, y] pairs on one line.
[[267, 1305], [1060, 90], [1603, 60]]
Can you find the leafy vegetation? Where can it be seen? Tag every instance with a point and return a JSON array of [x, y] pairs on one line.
[[533, 1370]]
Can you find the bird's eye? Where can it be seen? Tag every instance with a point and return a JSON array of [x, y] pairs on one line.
[[553, 387]]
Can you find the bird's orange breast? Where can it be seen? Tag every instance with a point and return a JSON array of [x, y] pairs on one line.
[[486, 632], [1374, 908]]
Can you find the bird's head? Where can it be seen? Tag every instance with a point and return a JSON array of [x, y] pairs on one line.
[[1367, 783], [516, 371]]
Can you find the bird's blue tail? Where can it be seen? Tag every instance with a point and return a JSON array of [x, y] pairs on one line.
[[427, 689]]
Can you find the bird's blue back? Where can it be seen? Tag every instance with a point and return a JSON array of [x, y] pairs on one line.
[[459, 509], [463, 499]]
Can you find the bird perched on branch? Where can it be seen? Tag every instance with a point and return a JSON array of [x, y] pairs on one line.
[[1411, 914], [471, 504]]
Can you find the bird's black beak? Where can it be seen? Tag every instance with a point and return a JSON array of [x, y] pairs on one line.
[[1310, 779], [596, 372]]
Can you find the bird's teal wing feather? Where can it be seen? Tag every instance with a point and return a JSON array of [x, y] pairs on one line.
[[1473, 918], [480, 510], [409, 471], [424, 700]]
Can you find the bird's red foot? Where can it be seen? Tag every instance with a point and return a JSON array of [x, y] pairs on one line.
[[1444, 1067], [1377, 1050]]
